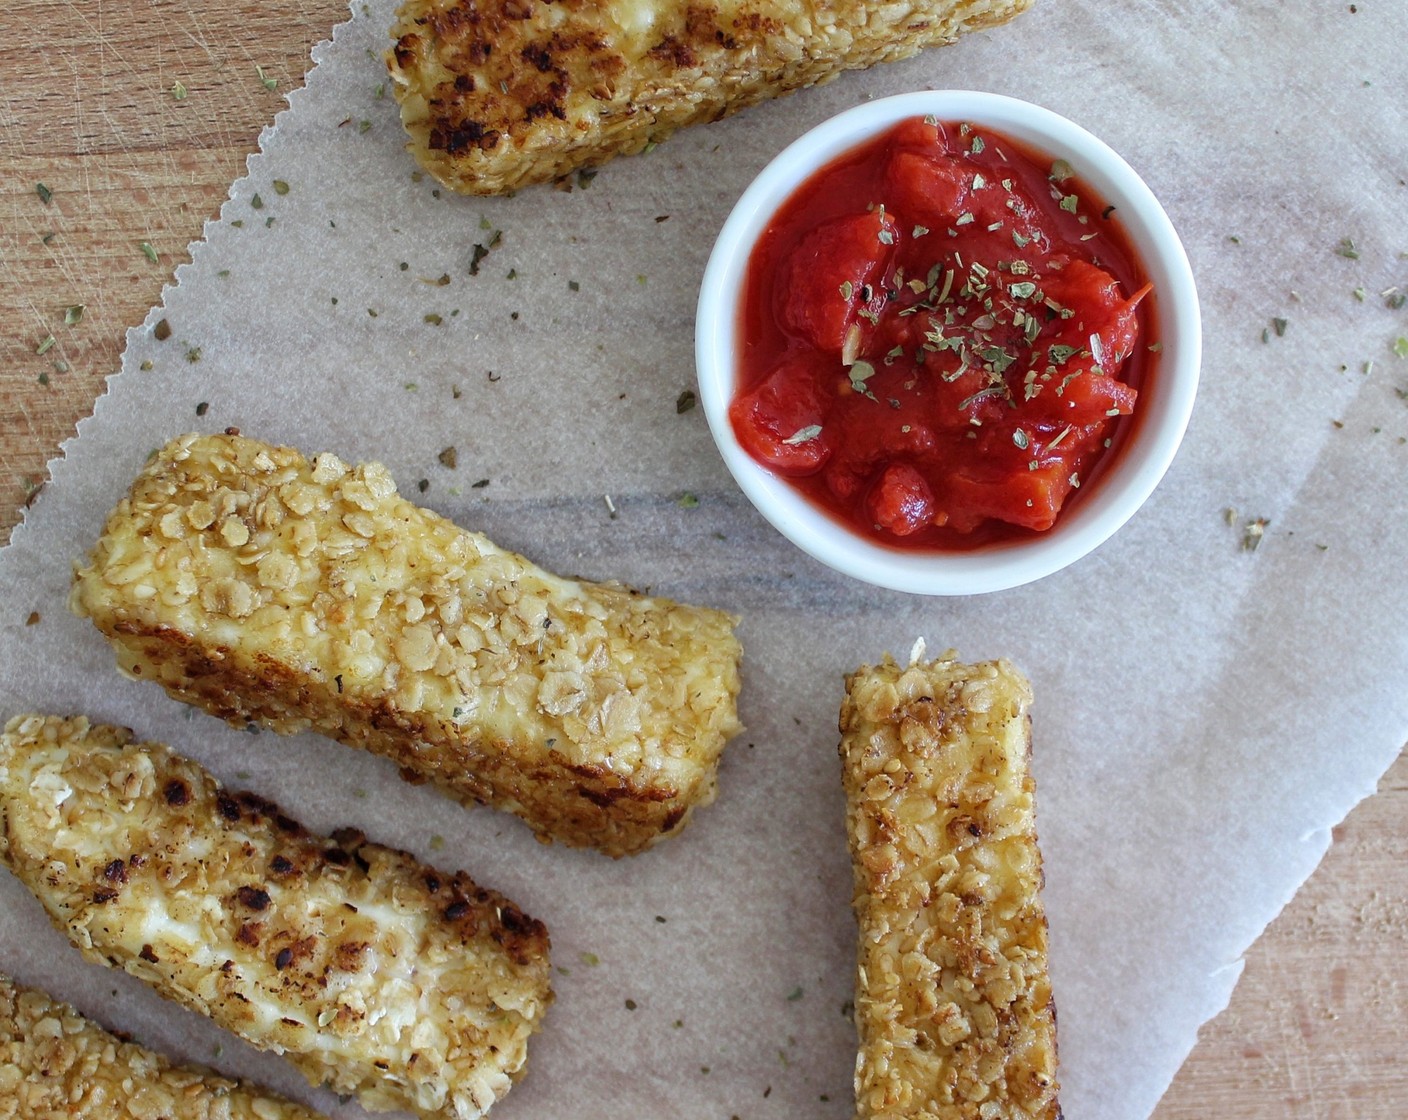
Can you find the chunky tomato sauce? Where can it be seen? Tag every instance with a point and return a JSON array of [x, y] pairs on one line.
[[941, 332]]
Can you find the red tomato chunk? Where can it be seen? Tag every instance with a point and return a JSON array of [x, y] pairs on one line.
[[941, 331]]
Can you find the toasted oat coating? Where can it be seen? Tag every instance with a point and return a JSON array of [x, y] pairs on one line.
[[57, 1065], [412, 988], [497, 94], [260, 586], [953, 1001]]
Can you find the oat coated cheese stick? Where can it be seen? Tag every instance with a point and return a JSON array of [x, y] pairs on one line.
[[57, 1065], [261, 586], [953, 1001], [497, 94], [411, 988]]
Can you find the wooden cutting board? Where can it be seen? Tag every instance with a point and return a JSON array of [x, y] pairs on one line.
[[125, 121]]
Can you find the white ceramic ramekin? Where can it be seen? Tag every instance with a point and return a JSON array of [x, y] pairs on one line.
[[1165, 404]]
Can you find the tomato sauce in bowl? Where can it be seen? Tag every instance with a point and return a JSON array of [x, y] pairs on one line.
[[940, 334], [942, 359]]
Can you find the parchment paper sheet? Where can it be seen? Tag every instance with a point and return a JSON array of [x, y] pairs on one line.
[[1205, 714]]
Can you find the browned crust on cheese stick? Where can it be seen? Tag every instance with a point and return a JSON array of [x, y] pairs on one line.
[[260, 586], [412, 988], [953, 999], [497, 94], [57, 1065]]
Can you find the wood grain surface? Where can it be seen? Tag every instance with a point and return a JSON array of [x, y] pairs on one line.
[[138, 114]]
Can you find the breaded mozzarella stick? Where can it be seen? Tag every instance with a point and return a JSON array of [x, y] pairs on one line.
[[953, 1001], [411, 988], [497, 94], [259, 586], [57, 1065]]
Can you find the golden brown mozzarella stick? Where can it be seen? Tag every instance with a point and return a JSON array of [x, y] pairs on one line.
[[497, 94], [953, 1001], [57, 1065], [409, 987], [260, 586]]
